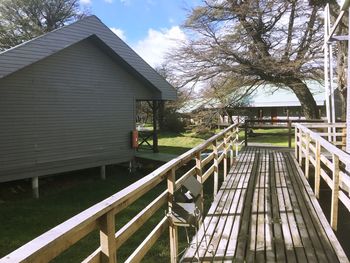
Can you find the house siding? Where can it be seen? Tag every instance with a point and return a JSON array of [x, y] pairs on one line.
[[72, 110]]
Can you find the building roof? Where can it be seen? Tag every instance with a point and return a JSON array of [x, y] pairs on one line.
[[91, 27], [265, 96], [268, 96]]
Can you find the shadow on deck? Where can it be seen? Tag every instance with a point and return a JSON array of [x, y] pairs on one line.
[[265, 211]]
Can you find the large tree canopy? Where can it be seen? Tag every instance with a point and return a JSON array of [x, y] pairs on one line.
[[21, 20], [255, 42]]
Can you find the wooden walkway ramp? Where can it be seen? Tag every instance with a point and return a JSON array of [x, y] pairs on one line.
[[265, 212]]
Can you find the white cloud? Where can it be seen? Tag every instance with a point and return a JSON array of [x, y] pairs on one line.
[[157, 43], [109, 1], [85, 2], [119, 32]]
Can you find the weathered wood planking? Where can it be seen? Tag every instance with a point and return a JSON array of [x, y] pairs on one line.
[[262, 213]]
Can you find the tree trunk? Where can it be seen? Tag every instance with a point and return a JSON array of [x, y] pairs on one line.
[[307, 101]]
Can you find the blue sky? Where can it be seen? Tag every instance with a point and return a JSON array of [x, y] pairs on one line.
[[150, 27]]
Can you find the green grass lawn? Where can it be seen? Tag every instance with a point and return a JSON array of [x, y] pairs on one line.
[[23, 218], [275, 137]]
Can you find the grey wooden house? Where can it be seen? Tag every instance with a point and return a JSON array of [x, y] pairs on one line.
[[67, 100]]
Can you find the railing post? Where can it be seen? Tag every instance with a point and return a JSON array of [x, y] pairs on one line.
[[289, 134], [216, 168], [225, 156], [199, 174], [173, 233], [300, 147], [317, 169], [335, 192], [231, 146], [107, 238], [245, 133], [237, 140], [343, 139], [307, 155], [296, 142]]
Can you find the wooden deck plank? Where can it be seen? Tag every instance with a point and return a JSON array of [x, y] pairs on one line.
[[263, 213], [277, 230], [316, 211], [244, 227], [200, 242], [312, 222]]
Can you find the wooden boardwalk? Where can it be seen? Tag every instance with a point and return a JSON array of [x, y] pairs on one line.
[[265, 212]]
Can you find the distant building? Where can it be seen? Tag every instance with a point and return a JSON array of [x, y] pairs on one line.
[[271, 103], [266, 102]]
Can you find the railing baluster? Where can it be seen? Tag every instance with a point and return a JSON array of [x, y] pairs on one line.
[[289, 134], [318, 169], [307, 155], [231, 145], [343, 139], [335, 192], [216, 167], [300, 147], [199, 174], [107, 238], [173, 233], [225, 156], [237, 140], [296, 143]]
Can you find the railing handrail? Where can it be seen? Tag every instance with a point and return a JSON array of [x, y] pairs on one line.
[[315, 149], [87, 220], [344, 157], [283, 120]]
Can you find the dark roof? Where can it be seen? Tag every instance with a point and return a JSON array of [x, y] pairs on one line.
[[29, 52]]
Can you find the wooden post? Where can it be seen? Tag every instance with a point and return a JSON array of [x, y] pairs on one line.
[[103, 172], [307, 156], [173, 233], [107, 238], [318, 169], [35, 187], [231, 147], [225, 156], [245, 133], [237, 140], [289, 134], [300, 147], [216, 168], [296, 142], [155, 126], [335, 193], [199, 174], [343, 139]]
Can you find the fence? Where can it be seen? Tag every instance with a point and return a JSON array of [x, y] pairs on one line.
[[330, 163], [102, 216], [273, 124]]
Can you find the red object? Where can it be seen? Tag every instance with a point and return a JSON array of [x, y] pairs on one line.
[[135, 139]]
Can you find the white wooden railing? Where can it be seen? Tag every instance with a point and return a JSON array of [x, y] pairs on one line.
[[330, 162], [102, 216]]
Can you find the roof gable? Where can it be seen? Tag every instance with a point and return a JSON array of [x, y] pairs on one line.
[[41, 47]]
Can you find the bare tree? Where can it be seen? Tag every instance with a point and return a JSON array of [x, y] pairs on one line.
[[22, 20], [254, 41], [227, 94]]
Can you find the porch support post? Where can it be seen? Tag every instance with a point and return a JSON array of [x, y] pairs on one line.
[[155, 126], [35, 187], [103, 172]]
